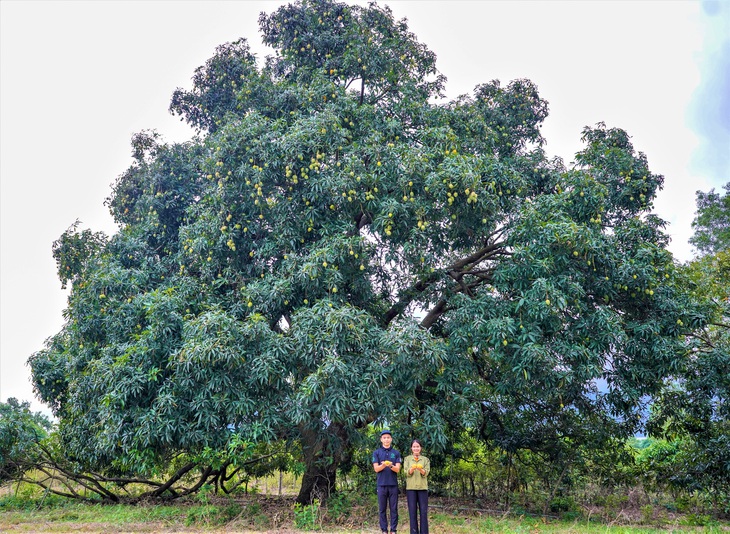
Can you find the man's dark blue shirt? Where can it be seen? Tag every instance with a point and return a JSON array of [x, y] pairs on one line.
[[387, 477]]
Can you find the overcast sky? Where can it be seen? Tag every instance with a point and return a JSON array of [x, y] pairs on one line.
[[79, 78]]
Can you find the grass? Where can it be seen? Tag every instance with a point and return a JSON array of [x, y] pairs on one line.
[[79, 513], [262, 514], [446, 523]]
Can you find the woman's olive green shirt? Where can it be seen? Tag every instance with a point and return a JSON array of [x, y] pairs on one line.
[[416, 481]]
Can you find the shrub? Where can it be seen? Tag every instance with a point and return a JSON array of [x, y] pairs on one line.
[[307, 517]]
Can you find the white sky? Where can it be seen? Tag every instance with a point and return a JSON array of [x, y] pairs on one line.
[[77, 79]]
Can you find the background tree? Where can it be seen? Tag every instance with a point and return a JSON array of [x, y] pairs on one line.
[[20, 432], [694, 408], [337, 249], [712, 222]]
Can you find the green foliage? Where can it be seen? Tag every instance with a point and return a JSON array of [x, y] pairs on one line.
[[31, 498], [339, 506], [712, 222], [656, 463], [74, 251], [698, 520], [337, 233], [307, 516], [693, 409], [216, 87], [20, 432], [213, 515], [255, 515], [563, 504], [647, 514], [201, 515], [203, 496]]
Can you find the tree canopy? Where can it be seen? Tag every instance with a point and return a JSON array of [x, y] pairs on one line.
[[340, 248]]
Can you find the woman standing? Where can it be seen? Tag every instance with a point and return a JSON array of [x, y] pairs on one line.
[[417, 468]]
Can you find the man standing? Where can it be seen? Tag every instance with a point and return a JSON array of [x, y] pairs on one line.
[[386, 463]]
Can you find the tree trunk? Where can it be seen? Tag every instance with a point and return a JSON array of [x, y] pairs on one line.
[[322, 455], [318, 483]]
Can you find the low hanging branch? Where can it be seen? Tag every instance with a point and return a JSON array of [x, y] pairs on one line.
[[59, 478], [167, 486]]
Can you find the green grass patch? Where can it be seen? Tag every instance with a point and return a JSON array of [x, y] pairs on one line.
[[443, 523], [92, 513], [261, 514]]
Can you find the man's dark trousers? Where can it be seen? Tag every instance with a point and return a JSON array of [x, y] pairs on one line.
[[388, 498], [418, 519]]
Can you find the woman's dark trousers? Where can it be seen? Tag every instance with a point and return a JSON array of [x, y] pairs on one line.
[[418, 502]]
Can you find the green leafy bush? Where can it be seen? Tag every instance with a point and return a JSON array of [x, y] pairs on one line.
[[307, 517], [339, 506]]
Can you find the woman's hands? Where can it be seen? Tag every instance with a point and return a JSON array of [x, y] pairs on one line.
[[419, 467]]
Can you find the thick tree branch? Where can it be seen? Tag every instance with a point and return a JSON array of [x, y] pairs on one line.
[[50, 489], [457, 271], [363, 219], [407, 296], [477, 257], [203, 479], [168, 484], [434, 314]]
